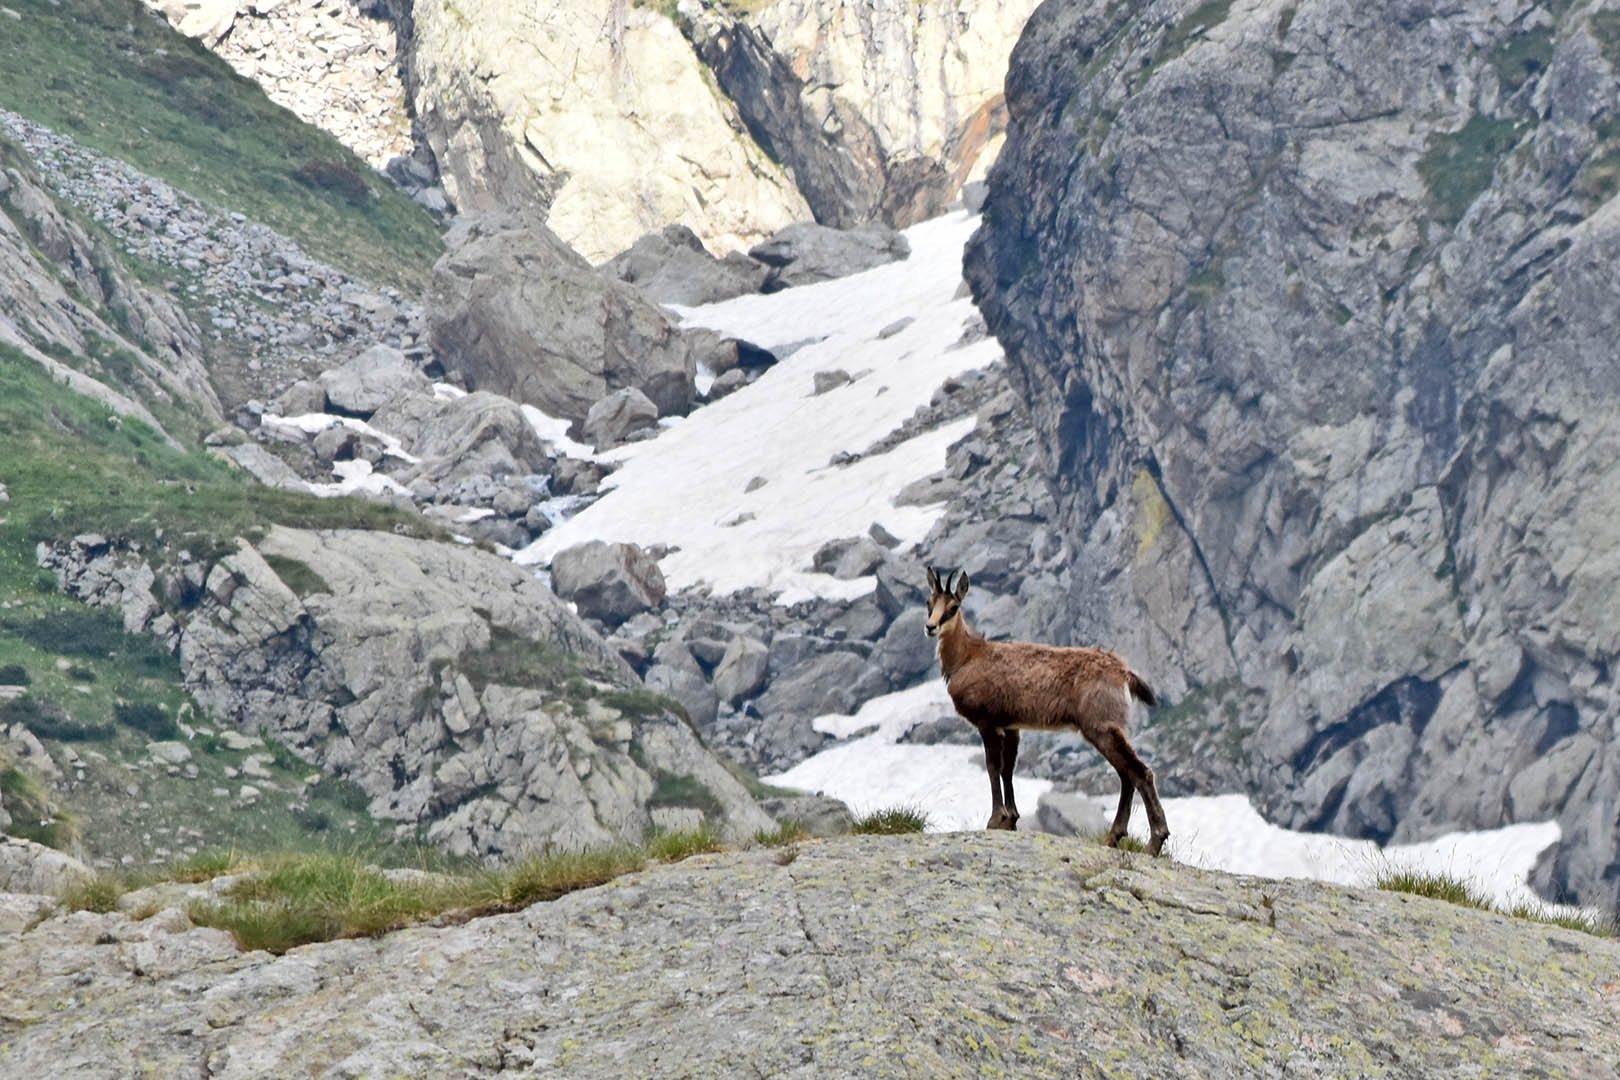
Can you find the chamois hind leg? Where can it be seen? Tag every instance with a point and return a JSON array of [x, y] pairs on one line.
[[1134, 776], [992, 763], [1009, 756]]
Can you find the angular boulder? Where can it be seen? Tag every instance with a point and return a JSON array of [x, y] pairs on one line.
[[673, 267], [607, 582], [516, 311]]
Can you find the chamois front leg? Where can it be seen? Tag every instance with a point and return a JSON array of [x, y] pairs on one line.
[[1009, 757], [992, 763]]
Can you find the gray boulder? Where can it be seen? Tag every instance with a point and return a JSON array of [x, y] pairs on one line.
[[514, 310], [360, 386], [674, 672], [806, 253], [905, 652], [673, 267], [608, 582], [480, 434], [833, 682], [27, 867], [617, 415], [741, 671]]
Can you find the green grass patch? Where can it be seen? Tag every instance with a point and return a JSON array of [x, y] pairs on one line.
[[1447, 887], [1523, 57], [890, 822], [147, 718], [34, 815], [790, 832], [1458, 166], [680, 789], [287, 900], [49, 720], [1181, 37], [678, 844], [1456, 890], [297, 575], [183, 115]]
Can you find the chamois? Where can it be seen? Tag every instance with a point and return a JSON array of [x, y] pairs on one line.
[[1001, 687]]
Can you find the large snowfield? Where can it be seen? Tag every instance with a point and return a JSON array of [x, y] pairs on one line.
[[743, 494]]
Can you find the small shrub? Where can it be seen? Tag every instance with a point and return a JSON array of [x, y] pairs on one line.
[[342, 792], [890, 822], [13, 675], [100, 893], [147, 718], [48, 720], [333, 177]]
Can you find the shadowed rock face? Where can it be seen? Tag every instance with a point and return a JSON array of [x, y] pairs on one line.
[[1309, 303], [943, 955]]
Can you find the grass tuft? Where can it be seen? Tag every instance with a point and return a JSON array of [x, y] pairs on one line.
[[681, 844], [790, 832], [1448, 887], [890, 822]]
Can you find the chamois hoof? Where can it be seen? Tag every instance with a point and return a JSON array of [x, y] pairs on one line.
[[1001, 819], [1155, 843]]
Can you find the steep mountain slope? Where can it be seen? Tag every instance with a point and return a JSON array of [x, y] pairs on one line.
[[972, 954], [438, 692], [1309, 302]]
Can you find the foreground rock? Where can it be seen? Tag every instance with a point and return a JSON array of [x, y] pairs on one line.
[[1332, 422], [948, 955], [463, 697]]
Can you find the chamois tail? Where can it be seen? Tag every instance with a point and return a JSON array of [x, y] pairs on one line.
[[1140, 689]]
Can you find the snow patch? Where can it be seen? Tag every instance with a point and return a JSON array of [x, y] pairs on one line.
[[689, 489], [1221, 832]]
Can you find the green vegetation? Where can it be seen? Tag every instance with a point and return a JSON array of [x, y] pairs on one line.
[[34, 816], [1181, 37], [789, 833], [285, 900], [1457, 166], [297, 575], [1455, 890], [1522, 57], [1207, 284], [890, 822], [675, 845], [671, 789], [183, 115], [1606, 28]]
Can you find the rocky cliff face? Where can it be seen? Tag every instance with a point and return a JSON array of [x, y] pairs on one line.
[[598, 112], [459, 693], [1309, 303], [880, 109], [959, 955]]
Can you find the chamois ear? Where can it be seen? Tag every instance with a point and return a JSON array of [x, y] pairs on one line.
[[962, 588], [933, 579]]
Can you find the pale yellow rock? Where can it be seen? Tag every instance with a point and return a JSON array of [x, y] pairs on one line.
[[610, 109]]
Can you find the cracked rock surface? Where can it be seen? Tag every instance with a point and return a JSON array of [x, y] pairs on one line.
[[963, 954], [1307, 304]]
